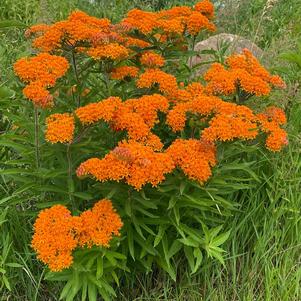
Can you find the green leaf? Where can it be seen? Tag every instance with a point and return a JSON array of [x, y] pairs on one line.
[[160, 234], [11, 23], [99, 267], [130, 239], [199, 257], [14, 265], [92, 291], [189, 256], [172, 202], [188, 241], [85, 288], [6, 282], [66, 289], [6, 92], [174, 249], [220, 239]]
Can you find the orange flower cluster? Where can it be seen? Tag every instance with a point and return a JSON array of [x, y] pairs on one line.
[[194, 157], [60, 128], [79, 27], [173, 21], [197, 21], [103, 110], [231, 121], [242, 71], [224, 121], [151, 59], [40, 72], [111, 51], [54, 238], [202, 105], [167, 83], [98, 225], [136, 116], [57, 233], [133, 162], [122, 72], [270, 121], [205, 7]]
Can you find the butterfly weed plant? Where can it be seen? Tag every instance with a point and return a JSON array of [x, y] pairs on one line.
[[133, 162]]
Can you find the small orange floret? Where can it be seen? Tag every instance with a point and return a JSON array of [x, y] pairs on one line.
[[60, 128]]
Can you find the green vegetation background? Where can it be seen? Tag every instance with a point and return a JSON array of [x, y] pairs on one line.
[[263, 259]]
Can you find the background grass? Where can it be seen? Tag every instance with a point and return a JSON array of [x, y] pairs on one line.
[[263, 259]]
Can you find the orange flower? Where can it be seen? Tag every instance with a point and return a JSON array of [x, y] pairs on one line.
[[54, 238], [232, 121], [148, 106], [270, 121], [38, 28], [220, 80], [77, 28], [40, 72], [206, 8], [194, 157], [57, 233], [111, 51], [152, 59], [134, 42], [196, 22], [132, 122], [44, 68], [144, 21], [37, 93], [244, 72], [203, 105], [124, 71], [95, 112], [136, 163], [98, 225], [167, 82], [59, 128]]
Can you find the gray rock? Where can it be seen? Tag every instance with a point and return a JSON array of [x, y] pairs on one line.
[[230, 43]]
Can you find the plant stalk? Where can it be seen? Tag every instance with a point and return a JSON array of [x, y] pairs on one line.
[[36, 136], [76, 77]]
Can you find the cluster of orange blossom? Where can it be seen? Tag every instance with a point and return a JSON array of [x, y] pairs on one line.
[[57, 233], [130, 52], [40, 73], [241, 71]]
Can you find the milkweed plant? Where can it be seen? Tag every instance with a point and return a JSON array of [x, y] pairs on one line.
[[151, 152]]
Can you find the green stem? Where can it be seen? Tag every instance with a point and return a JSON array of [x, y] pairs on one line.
[[36, 136], [70, 180], [76, 77]]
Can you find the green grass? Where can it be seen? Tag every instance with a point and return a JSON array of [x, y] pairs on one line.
[[263, 259]]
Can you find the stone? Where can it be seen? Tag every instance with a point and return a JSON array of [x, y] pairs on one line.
[[234, 42]]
